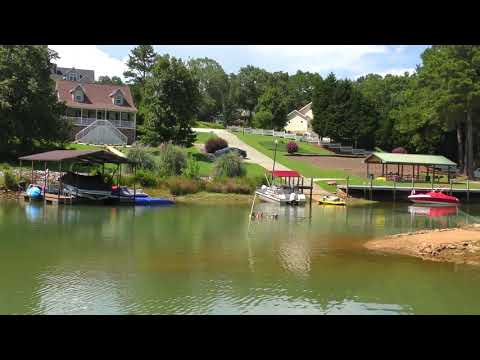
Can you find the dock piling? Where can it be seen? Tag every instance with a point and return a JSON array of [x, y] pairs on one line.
[[394, 188], [468, 190], [347, 187]]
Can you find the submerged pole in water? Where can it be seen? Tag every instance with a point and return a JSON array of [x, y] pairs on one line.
[[253, 203]]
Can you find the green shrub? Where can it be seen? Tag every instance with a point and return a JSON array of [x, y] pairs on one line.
[[9, 180], [142, 157], [146, 178], [183, 186], [230, 186], [192, 170], [229, 165], [127, 180], [171, 160]]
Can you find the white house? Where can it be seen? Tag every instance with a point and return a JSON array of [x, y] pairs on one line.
[[299, 121]]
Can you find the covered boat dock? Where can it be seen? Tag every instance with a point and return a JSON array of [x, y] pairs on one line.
[[73, 157], [380, 162]]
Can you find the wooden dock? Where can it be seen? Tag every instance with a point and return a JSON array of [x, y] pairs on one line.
[[58, 199], [393, 193]]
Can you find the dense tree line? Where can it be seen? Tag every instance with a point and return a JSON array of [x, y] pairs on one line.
[[434, 110], [30, 114]]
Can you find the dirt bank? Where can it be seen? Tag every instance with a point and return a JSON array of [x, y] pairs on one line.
[[458, 245]]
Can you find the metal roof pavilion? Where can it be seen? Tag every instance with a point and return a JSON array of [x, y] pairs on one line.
[[408, 159]]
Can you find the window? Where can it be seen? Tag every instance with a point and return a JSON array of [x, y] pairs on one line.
[[79, 95], [118, 100], [72, 76]]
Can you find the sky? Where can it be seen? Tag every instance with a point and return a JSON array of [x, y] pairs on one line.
[[345, 61]]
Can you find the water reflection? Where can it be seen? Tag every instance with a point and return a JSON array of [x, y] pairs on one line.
[[213, 259]]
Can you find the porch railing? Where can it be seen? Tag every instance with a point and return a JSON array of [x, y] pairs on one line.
[[82, 121]]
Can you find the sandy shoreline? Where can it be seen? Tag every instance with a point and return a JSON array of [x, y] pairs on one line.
[[458, 245]]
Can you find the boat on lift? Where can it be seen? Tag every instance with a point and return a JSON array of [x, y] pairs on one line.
[[434, 198], [285, 193]]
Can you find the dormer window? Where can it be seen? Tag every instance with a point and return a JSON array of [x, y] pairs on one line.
[[118, 99], [72, 76], [79, 95]]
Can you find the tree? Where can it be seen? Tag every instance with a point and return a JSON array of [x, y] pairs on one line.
[[140, 63], [30, 113], [449, 77], [321, 103], [300, 88], [252, 83], [171, 103], [272, 109], [106, 80], [385, 94], [213, 86], [343, 113]]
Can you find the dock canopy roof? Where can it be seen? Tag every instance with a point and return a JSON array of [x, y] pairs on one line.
[[285, 173], [93, 156], [408, 159]]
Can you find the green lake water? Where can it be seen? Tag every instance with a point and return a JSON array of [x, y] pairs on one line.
[[208, 259]]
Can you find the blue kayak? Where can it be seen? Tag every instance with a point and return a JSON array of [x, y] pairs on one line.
[[153, 201]]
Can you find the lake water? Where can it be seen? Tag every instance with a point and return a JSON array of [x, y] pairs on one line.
[[209, 259]]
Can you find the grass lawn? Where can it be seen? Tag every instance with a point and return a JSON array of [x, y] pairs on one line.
[[73, 146], [208, 125], [202, 137], [307, 170]]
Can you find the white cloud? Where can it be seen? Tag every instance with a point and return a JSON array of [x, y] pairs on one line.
[[397, 71], [394, 71], [89, 57], [320, 58]]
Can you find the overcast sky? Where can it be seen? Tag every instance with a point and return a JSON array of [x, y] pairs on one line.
[[346, 61]]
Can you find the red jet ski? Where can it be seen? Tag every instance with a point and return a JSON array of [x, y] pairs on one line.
[[435, 197]]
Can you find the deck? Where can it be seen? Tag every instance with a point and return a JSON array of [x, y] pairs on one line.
[[388, 193]]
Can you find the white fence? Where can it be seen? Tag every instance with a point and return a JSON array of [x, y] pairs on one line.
[[307, 138]]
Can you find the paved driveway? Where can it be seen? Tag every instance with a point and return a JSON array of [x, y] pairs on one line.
[[253, 155]]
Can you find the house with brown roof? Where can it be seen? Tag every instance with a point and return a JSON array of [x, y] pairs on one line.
[[300, 121], [100, 114], [72, 74]]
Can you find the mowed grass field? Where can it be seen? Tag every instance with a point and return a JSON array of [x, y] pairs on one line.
[[266, 145]]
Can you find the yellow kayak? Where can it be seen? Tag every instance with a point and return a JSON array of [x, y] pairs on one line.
[[331, 200]]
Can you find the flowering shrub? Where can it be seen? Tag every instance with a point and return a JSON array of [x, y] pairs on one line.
[[292, 147], [215, 143], [399, 150]]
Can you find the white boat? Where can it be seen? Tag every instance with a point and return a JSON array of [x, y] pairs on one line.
[[282, 195]]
